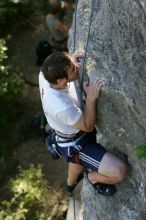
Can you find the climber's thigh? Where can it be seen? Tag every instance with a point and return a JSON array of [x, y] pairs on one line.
[[111, 165]]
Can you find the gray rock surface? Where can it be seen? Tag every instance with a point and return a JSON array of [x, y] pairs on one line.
[[116, 52]]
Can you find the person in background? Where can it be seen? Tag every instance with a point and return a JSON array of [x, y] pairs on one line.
[[58, 29]]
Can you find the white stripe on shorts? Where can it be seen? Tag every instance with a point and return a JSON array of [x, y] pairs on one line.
[[89, 160]]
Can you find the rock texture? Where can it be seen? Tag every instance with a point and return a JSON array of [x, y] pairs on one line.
[[116, 52]]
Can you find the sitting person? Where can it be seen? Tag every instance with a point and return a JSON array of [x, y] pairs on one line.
[[58, 30]]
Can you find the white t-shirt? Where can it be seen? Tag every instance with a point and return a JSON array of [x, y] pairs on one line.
[[61, 109]]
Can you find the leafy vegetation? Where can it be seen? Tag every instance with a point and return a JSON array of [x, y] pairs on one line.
[[29, 198], [10, 93], [11, 13], [25, 197], [141, 150], [10, 83]]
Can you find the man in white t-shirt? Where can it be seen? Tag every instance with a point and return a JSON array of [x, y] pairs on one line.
[[74, 127]]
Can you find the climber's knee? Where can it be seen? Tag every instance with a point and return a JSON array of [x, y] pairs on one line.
[[112, 167], [120, 172]]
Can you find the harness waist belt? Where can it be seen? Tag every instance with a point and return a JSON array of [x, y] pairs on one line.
[[66, 136]]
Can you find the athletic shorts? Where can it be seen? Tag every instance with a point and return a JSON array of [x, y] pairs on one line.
[[82, 150]]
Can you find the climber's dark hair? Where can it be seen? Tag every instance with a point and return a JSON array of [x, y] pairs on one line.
[[56, 67]]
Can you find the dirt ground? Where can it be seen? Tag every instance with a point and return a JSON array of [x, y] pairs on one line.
[[22, 56]]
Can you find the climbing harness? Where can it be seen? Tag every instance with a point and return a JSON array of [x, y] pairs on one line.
[[52, 145]]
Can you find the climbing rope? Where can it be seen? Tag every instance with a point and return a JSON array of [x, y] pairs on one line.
[[86, 46], [82, 69], [74, 48], [82, 64], [75, 25], [73, 197]]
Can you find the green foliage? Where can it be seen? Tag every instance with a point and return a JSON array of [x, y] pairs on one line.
[[29, 194], [13, 14], [10, 93], [3, 48], [10, 83], [141, 150], [29, 197]]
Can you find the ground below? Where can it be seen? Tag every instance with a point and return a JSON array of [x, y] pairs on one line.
[[22, 56]]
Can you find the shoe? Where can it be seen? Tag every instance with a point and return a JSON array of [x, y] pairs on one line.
[[102, 188], [70, 189]]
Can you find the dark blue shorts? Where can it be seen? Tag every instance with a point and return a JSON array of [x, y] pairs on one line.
[[82, 150]]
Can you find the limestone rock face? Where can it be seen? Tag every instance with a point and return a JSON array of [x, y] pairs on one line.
[[116, 52]]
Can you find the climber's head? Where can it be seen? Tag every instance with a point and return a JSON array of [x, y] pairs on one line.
[[59, 68]]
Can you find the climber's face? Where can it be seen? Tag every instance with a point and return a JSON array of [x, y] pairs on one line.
[[73, 72]]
